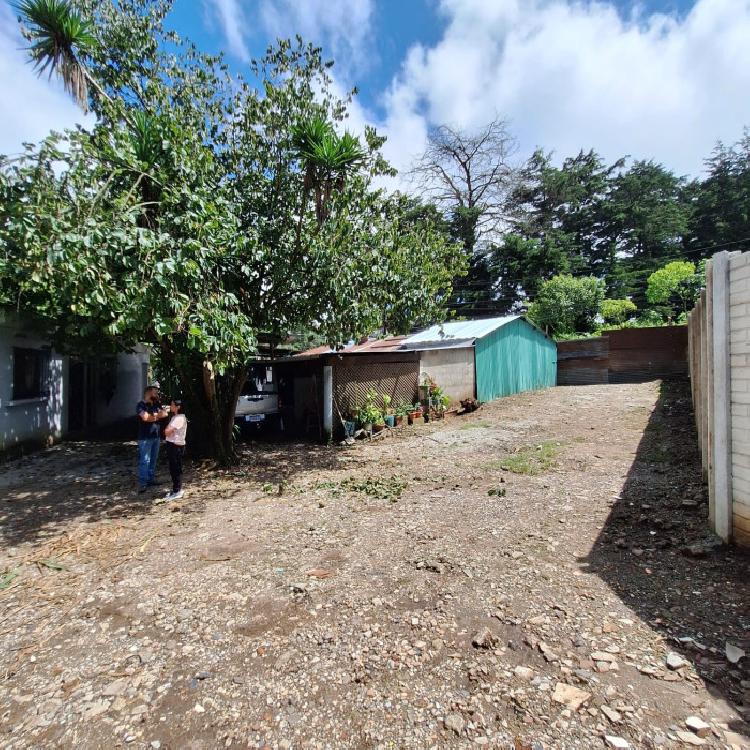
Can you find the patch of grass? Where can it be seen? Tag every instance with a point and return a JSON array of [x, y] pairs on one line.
[[326, 485], [380, 488], [475, 426], [532, 460], [333, 488]]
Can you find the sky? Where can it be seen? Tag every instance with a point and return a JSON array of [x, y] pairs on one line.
[[662, 80]]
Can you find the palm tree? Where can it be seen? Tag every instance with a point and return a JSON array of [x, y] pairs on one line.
[[60, 40], [327, 159]]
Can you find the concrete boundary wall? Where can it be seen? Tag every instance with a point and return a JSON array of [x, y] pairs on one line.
[[719, 361]]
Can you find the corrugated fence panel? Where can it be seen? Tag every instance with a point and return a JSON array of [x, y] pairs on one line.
[[514, 358], [640, 354], [583, 361], [631, 355]]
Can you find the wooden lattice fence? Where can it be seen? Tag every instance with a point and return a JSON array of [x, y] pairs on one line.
[[352, 381]]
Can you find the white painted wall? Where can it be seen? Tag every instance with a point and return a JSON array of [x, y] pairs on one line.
[[130, 381], [41, 420], [451, 369], [44, 420]]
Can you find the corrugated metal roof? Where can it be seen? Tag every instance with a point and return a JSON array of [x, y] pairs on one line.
[[314, 352], [390, 344], [456, 332]]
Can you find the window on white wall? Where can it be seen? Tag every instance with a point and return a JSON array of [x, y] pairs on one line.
[[30, 372]]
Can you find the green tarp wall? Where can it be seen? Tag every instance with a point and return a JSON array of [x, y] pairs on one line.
[[514, 358]]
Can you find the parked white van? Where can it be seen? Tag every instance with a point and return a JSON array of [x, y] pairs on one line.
[[258, 404]]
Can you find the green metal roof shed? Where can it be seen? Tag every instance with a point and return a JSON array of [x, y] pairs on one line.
[[511, 355]]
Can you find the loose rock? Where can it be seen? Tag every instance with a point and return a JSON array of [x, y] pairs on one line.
[[570, 696], [698, 726], [617, 742]]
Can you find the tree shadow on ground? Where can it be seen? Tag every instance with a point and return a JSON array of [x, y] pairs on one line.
[[655, 553], [73, 482], [283, 462], [87, 481]]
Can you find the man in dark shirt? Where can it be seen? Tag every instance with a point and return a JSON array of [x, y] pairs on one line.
[[149, 413]]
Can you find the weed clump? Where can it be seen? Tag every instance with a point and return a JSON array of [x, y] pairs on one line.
[[532, 460], [380, 488]]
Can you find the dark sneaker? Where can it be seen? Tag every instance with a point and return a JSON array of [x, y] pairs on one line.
[[143, 488]]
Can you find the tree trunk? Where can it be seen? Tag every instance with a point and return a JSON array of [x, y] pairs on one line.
[[219, 396], [211, 400]]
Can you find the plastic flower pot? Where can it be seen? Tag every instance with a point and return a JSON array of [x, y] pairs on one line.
[[376, 428], [390, 420]]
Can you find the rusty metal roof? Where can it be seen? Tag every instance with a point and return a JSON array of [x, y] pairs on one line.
[[390, 344]]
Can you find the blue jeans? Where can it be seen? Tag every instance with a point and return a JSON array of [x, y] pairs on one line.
[[148, 455]]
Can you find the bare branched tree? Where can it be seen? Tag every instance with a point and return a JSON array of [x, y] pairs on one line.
[[469, 170]]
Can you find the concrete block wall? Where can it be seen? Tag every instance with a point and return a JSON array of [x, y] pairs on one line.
[[452, 369], [719, 359], [739, 367]]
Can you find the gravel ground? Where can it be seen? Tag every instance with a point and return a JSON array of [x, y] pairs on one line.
[[533, 575]]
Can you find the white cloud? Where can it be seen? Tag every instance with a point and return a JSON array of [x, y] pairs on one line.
[[342, 27], [579, 75], [233, 22], [33, 106]]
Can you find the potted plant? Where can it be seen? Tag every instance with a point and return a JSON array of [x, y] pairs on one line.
[[415, 413], [368, 414], [378, 425], [439, 402], [402, 410], [388, 415], [427, 387]]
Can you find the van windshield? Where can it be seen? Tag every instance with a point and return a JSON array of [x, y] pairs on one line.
[[260, 382]]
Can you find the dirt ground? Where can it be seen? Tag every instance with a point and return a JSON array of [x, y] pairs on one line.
[[533, 575]]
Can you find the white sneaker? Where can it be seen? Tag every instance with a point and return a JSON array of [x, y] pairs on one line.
[[176, 495]]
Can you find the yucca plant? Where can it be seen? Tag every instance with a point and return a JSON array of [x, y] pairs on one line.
[[327, 159], [145, 138], [60, 41]]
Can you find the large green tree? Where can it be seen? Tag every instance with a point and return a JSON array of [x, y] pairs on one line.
[[566, 304], [674, 288], [721, 217], [644, 222], [555, 215], [203, 210]]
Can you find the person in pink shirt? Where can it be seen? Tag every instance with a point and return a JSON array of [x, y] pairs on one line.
[[175, 433]]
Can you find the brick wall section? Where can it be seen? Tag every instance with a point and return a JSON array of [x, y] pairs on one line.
[[739, 364]]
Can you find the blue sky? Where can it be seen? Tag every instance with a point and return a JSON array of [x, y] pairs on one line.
[[395, 26], [662, 80]]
